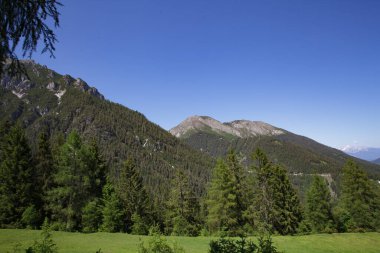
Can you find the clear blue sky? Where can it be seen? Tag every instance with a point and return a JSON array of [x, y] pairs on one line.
[[311, 67]]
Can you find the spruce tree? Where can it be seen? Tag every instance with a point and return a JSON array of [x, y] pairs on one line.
[[44, 162], [133, 194], [225, 201], [318, 206], [92, 216], [242, 190], [359, 199], [289, 213], [17, 190], [66, 199], [77, 181], [276, 206], [220, 199], [183, 209], [44, 171], [112, 213]]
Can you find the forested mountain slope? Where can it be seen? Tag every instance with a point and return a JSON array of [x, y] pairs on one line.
[[60, 104]]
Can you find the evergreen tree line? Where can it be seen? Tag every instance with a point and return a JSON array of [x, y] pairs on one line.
[[67, 182]]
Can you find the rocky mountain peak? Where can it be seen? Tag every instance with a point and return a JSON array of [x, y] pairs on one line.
[[238, 128], [43, 77], [252, 128]]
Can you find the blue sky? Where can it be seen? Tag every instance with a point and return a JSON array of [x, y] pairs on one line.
[[311, 67]]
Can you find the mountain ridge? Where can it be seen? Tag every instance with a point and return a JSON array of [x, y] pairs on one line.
[[377, 161], [365, 153], [238, 128]]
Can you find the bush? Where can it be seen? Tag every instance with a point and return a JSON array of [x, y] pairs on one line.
[[158, 244], [46, 245], [30, 217], [304, 228], [266, 245], [181, 227], [227, 245], [139, 226]]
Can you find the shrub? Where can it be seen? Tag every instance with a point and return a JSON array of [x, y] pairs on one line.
[[158, 244], [227, 245], [139, 226], [266, 245], [46, 244], [30, 217]]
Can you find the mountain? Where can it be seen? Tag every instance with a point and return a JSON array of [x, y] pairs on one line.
[[60, 103], [302, 156], [238, 128], [365, 153], [298, 153], [377, 161]]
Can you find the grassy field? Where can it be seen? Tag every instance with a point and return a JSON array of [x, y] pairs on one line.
[[124, 243]]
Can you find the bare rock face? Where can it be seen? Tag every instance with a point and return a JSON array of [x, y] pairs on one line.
[[253, 128], [47, 78], [83, 86], [52, 86], [238, 128], [201, 123]]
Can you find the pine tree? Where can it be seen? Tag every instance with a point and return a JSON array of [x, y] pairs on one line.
[[113, 213], [78, 180], [359, 200], [218, 200], [183, 209], [66, 199], [44, 162], [132, 192], [318, 206], [289, 213], [225, 201], [276, 206], [45, 170], [91, 216], [96, 169], [17, 190]]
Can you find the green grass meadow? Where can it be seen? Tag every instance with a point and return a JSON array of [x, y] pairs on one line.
[[124, 243]]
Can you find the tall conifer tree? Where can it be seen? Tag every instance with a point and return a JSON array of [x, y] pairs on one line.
[[183, 209], [134, 196], [318, 206], [76, 182], [359, 199], [112, 213], [225, 201], [17, 190], [276, 207], [45, 170]]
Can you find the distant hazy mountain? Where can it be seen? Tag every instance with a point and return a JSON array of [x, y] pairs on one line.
[[365, 153], [377, 161]]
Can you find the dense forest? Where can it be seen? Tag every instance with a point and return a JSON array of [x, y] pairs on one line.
[[69, 184]]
